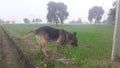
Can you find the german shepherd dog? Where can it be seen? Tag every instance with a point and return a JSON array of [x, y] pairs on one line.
[[46, 33]]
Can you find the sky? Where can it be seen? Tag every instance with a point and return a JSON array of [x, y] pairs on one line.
[[17, 10]]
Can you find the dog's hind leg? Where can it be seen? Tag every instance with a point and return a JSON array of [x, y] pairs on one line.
[[44, 48], [44, 43]]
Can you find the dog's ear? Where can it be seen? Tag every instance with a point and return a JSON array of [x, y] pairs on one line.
[[74, 33]]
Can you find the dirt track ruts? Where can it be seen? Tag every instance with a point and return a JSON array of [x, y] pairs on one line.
[[9, 55]]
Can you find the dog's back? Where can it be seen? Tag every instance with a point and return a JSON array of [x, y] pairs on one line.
[[52, 32]]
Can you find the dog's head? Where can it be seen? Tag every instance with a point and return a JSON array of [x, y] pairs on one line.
[[74, 41], [65, 36]]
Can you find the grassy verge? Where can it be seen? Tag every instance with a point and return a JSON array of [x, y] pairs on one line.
[[95, 45]]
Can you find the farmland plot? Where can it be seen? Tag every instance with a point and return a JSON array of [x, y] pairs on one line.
[[94, 50]]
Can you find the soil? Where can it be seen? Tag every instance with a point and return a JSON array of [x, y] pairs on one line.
[[8, 56]]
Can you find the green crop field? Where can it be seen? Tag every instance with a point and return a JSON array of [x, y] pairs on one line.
[[94, 50]]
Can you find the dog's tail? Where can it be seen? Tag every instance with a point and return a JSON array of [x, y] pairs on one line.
[[28, 34]]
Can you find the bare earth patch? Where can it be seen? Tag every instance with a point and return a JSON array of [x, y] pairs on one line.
[[8, 57]]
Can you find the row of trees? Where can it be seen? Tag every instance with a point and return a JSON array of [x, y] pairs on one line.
[[57, 13], [6, 22], [96, 13], [26, 21], [36, 20], [79, 21]]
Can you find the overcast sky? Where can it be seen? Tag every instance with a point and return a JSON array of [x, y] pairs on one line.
[[19, 9]]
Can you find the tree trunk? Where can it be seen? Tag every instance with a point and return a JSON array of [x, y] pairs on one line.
[[116, 38]]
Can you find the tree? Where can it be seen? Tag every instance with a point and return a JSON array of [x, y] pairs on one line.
[[2, 21], [112, 14], [51, 11], [26, 20], [73, 21], [57, 12], [79, 21], [7, 22], [13, 22], [37, 20], [95, 13], [62, 12]]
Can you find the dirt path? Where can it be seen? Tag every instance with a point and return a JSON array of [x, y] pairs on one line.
[[8, 57]]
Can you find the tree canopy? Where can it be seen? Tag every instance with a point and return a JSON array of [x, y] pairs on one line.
[[36, 20], [112, 14], [78, 21], [26, 20], [2, 21], [57, 12], [95, 13]]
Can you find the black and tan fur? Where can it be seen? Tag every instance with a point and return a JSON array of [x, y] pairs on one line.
[[46, 33], [66, 37]]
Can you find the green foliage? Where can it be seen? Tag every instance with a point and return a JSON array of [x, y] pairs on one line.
[[26, 20], [57, 12], [95, 45], [79, 21], [36, 20], [95, 13], [112, 14]]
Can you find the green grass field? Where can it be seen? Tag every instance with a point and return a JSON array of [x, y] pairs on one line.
[[94, 50]]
